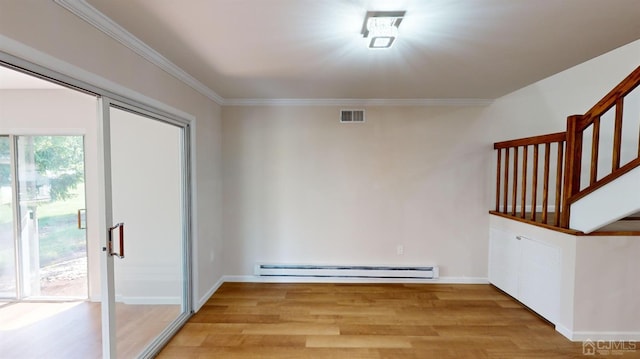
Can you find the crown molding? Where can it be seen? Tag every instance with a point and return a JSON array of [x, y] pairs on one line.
[[103, 23], [100, 21], [418, 102]]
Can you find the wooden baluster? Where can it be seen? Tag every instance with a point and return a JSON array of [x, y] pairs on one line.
[[545, 182], [534, 184], [523, 188], [506, 179], [572, 166], [514, 194], [617, 136], [498, 180], [595, 145], [559, 182]]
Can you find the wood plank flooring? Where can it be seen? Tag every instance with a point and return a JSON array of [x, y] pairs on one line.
[[251, 320], [68, 330]]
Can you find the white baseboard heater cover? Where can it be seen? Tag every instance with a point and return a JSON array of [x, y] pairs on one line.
[[337, 271]]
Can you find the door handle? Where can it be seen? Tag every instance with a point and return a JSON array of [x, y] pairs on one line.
[[80, 221], [120, 253]]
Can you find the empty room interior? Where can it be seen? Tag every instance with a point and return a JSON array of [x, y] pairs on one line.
[[319, 179]]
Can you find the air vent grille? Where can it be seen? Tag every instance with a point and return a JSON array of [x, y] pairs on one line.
[[351, 116]]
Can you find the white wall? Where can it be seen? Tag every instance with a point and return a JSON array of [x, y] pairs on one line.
[[62, 112], [607, 287], [543, 107], [51, 33], [299, 187]]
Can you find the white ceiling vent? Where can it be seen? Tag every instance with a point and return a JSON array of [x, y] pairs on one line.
[[351, 116]]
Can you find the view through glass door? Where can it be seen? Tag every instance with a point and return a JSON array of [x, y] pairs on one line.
[[146, 181], [8, 279], [43, 244]]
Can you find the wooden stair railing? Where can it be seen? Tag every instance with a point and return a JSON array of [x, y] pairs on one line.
[[517, 187], [520, 192], [576, 126]]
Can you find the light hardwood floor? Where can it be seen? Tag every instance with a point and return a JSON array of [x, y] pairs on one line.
[[69, 330], [250, 320]]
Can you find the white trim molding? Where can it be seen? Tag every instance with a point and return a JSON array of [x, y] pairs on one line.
[[599, 336], [203, 300], [149, 300], [103, 23], [417, 102], [441, 280], [49, 63]]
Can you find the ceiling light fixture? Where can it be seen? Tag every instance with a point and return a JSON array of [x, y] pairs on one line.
[[381, 28]]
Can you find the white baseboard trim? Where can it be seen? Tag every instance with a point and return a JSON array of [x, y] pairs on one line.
[[149, 300], [597, 336], [601, 336], [567, 333], [205, 298], [441, 280], [463, 280]]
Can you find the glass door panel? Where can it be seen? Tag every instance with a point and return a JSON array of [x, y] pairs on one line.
[[8, 287], [52, 239], [147, 197]]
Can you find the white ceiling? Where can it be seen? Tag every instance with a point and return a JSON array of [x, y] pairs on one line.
[[312, 49]]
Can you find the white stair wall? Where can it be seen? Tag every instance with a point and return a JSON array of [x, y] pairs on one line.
[[608, 204]]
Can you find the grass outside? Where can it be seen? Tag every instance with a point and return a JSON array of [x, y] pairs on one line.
[[59, 236]]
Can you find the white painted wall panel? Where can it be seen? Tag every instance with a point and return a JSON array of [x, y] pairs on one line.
[[608, 204]]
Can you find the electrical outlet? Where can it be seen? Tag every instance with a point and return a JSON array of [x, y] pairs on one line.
[[400, 250]]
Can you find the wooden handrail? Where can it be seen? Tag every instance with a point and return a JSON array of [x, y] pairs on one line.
[[621, 90], [568, 170], [517, 178], [527, 141], [576, 125]]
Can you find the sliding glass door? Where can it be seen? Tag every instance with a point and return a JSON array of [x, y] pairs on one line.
[[43, 243], [136, 210], [146, 182]]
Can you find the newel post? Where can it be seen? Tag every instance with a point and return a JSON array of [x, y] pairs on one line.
[[572, 166]]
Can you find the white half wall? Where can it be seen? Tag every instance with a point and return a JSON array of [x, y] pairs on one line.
[[608, 204], [599, 286]]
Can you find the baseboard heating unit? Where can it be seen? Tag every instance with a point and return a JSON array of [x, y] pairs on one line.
[[337, 271]]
